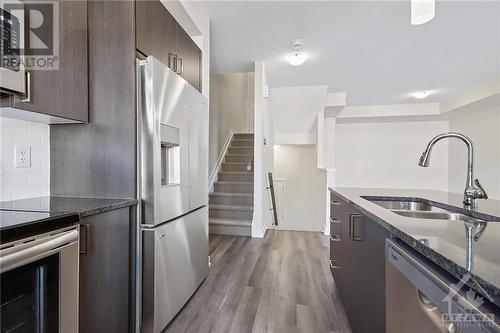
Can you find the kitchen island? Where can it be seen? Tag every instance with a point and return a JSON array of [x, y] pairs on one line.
[[461, 242]]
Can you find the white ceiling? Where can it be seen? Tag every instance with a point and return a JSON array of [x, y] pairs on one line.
[[367, 49]]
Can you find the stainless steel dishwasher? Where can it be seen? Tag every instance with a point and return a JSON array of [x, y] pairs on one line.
[[422, 297]]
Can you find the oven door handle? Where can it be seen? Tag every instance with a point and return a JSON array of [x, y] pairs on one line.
[[28, 252]]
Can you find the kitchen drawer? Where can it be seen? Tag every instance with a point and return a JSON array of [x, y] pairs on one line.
[[335, 226], [335, 268], [336, 207], [335, 247], [334, 198], [335, 212]]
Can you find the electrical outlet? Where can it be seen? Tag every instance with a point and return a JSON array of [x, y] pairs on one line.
[[23, 157], [266, 91]]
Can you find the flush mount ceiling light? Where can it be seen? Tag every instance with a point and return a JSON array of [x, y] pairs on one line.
[[297, 57], [422, 11], [421, 94]]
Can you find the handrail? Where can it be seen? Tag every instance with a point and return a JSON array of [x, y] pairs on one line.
[[215, 171]]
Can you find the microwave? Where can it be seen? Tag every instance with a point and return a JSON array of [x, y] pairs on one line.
[[12, 70]]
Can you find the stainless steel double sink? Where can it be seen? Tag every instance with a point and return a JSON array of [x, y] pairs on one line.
[[423, 210]]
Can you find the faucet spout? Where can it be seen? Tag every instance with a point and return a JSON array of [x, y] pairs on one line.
[[473, 189]]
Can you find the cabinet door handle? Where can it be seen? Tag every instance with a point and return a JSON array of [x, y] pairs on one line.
[[172, 61], [357, 227], [333, 202], [27, 96], [333, 264], [335, 238], [84, 238], [349, 226], [179, 68]]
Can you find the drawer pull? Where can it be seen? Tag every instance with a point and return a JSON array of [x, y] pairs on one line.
[[333, 202], [334, 220], [333, 264], [335, 238]]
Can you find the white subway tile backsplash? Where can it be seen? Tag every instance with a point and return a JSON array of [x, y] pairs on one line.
[[35, 179], [5, 193], [19, 183], [15, 179], [23, 192]]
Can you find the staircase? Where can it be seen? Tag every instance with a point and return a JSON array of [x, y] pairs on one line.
[[231, 203]]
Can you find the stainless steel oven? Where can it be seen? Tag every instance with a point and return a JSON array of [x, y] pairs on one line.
[[12, 71], [39, 283]]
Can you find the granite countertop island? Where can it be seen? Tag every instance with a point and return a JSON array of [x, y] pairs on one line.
[[442, 241]]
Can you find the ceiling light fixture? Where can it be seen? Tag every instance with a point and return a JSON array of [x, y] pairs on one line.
[[297, 57], [421, 94], [422, 11]]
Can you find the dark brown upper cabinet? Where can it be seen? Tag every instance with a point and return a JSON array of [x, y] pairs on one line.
[[190, 56], [63, 92], [158, 34], [155, 30]]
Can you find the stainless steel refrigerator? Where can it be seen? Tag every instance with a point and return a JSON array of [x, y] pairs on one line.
[[173, 191]]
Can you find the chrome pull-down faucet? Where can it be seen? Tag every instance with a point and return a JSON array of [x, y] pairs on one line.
[[473, 189]]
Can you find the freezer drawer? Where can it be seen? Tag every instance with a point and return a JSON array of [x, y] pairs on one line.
[[175, 263]]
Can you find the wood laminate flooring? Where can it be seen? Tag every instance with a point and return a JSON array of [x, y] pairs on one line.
[[281, 283]]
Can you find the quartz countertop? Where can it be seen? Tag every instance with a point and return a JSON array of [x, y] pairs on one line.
[[53, 204], [443, 242]]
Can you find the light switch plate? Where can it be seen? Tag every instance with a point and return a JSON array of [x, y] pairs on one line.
[[23, 157]]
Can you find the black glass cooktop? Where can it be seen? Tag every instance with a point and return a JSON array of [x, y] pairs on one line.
[[20, 224]]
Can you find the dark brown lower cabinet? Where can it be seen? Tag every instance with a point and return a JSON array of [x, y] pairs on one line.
[[357, 245], [104, 272]]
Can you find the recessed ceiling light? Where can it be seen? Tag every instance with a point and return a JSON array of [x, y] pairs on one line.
[[421, 94], [297, 57], [422, 11]]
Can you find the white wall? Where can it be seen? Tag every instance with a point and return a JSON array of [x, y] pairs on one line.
[[295, 111], [19, 183], [263, 153], [295, 117], [231, 108], [385, 155], [483, 127], [304, 187]]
